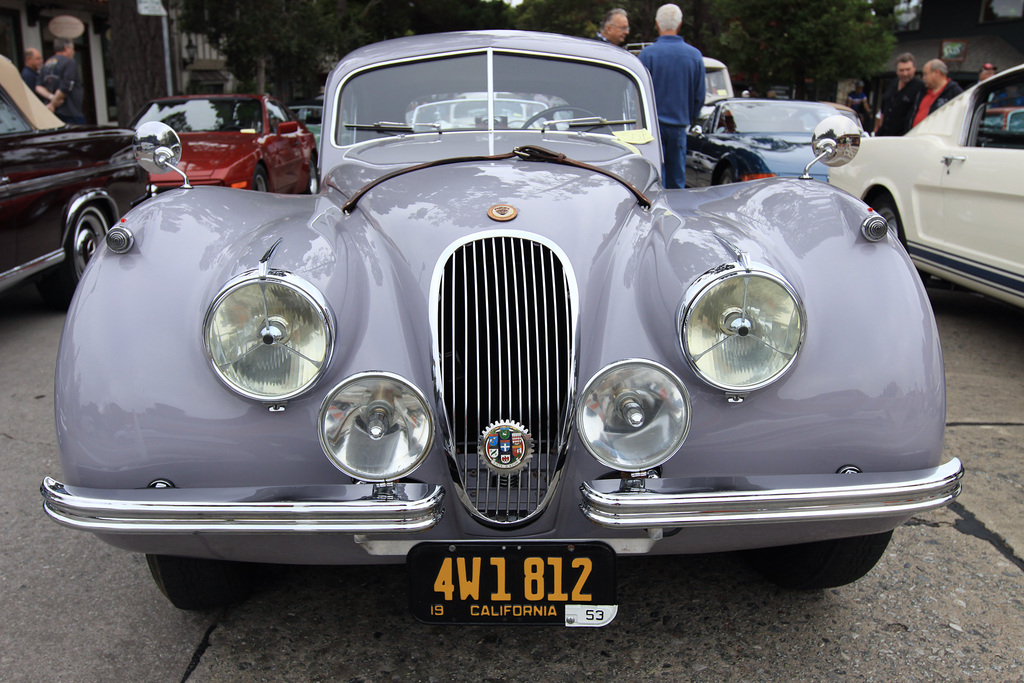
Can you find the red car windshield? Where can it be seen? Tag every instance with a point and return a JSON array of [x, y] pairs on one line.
[[222, 114]]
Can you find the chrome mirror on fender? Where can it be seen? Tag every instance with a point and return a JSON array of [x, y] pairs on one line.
[[696, 130], [835, 142], [157, 149]]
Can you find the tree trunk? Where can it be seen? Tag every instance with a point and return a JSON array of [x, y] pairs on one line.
[[137, 46], [261, 75]]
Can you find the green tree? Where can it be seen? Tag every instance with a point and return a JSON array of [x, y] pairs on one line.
[[267, 38], [795, 41]]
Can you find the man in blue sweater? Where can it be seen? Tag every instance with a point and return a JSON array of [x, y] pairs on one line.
[[677, 70]]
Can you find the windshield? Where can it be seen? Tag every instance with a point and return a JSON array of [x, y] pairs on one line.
[[716, 83], [453, 93], [771, 117], [230, 114]]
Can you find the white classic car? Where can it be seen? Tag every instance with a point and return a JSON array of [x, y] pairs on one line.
[[953, 187]]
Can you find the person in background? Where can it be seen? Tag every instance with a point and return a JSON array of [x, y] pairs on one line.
[[988, 70], [60, 76], [857, 100], [677, 73], [938, 90], [899, 97], [30, 74], [614, 28]]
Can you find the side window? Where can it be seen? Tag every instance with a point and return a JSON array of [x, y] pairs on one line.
[[999, 118], [11, 120], [277, 114]]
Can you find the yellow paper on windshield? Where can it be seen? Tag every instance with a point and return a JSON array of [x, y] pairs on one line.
[[250, 131], [640, 136]]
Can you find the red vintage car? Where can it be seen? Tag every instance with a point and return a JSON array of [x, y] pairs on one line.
[[61, 188], [241, 141]]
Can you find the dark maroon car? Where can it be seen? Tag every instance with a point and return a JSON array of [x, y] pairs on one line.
[[61, 187], [251, 142]]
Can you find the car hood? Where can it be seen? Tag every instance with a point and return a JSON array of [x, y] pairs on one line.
[[784, 154], [202, 154], [367, 161]]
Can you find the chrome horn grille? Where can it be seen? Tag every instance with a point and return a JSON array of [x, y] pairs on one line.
[[505, 330]]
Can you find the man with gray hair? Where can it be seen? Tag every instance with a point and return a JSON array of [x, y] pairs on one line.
[[614, 27], [677, 72], [938, 89]]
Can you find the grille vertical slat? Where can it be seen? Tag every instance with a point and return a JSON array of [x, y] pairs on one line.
[[505, 329]]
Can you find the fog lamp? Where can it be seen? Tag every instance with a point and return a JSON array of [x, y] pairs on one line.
[[376, 427], [633, 415]]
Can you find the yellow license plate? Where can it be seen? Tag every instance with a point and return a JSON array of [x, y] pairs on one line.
[[527, 583]]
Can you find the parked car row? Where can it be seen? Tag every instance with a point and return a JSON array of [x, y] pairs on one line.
[[495, 348]]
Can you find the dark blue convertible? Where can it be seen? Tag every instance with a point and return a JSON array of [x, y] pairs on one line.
[[746, 139]]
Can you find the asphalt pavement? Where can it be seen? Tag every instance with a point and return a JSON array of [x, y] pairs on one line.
[[946, 602]]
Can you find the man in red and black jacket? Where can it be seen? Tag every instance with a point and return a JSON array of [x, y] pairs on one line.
[[938, 90]]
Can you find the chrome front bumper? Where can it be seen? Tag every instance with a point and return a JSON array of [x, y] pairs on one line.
[[356, 508], [732, 501]]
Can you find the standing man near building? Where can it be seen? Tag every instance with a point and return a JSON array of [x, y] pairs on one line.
[[60, 76], [938, 90], [614, 28], [677, 71], [899, 97], [30, 73]]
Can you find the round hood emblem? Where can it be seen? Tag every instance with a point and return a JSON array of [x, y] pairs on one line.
[[506, 447], [502, 212]]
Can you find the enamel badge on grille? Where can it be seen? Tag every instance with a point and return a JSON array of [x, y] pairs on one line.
[[505, 447]]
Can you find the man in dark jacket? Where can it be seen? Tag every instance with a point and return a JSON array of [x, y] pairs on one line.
[[899, 97], [939, 89], [60, 76]]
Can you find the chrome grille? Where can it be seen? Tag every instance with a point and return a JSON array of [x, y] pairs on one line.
[[505, 328]]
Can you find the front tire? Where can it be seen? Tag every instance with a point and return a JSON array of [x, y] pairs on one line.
[[260, 182], [191, 583], [726, 177], [885, 206], [313, 187], [88, 228], [821, 564]]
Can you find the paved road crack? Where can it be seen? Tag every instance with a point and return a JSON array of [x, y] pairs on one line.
[[198, 654], [972, 526]]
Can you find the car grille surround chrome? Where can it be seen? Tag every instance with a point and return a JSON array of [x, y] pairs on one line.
[[504, 330]]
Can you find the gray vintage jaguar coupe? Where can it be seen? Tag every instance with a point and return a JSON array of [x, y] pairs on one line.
[[494, 348]]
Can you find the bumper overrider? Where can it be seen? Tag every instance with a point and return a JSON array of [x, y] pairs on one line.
[[404, 508]]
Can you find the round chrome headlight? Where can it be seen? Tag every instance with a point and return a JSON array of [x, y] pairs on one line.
[[742, 327], [376, 427], [633, 415], [269, 338]]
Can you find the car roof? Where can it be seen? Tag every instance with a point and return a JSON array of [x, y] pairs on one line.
[[31, 106]]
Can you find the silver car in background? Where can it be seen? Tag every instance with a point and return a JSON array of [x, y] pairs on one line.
[[494, 348]]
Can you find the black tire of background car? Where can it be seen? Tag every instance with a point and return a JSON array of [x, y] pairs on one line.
[[260, 183], [88, 228], [313, 186], [195, 584], [821, 564], [726, 176], [885, 206]]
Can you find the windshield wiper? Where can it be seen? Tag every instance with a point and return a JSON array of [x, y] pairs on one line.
[[382, 127], [587, 122]]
